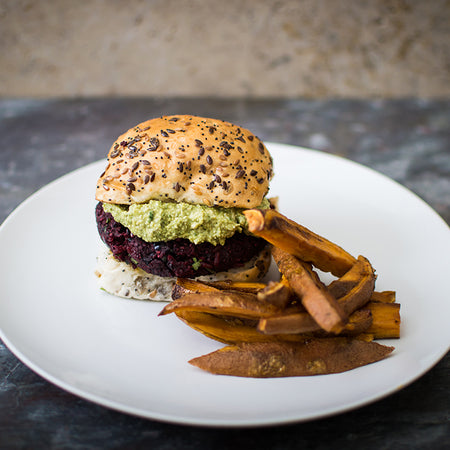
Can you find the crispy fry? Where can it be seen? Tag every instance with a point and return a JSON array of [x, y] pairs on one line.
[[303, 323], [185, 286], [278, 293], [313, 294], [361, 292], [241, 286], [340, 287], [386, 320], [384, 297], [224, 329], [299, 241], [276, 359], [297, 322], [230, 330], [359, 322], [237, 304]]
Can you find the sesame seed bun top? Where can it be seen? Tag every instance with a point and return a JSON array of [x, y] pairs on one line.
[[187, 159]]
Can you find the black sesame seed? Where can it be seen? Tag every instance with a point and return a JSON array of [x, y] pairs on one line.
[[170, 131], [163, 133]]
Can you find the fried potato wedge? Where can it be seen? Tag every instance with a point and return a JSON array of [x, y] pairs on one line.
[[340, 287], [283, 359], [383, 297], [279, 293], [230, 330], [302, 323], [237, 304], [385, 320], [362, 290], [240, 286], [296, 239], [313, 294], [185, 286]]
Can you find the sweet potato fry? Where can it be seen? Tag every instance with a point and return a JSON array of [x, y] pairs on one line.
[[185, 286], [276, 359], [362, 291], [338, 288], [293, 238], [313, 294], [386, 320], [229, 329], [241, 286], [278, 293], [303, 323], [224, 329], [237, 304], [383, 297]]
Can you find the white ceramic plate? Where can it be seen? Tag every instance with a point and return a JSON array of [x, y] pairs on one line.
[[119, 354]]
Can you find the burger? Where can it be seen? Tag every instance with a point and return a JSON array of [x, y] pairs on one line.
[[170, 205]]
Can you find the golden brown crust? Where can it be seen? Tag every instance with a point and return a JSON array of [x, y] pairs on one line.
[[187, 158]]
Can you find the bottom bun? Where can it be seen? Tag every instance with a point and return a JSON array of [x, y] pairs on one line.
[[121, 279]]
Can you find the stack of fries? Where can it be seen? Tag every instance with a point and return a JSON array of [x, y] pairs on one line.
[[296, 326]]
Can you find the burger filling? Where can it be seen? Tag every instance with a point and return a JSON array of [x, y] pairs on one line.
[[177, 239]]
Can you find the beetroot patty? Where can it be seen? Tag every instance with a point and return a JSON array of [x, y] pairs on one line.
[[176, 258]]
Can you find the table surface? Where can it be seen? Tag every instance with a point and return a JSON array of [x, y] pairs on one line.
[[407, 140]]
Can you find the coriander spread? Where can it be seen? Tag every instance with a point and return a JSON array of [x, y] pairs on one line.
[[156, 220]]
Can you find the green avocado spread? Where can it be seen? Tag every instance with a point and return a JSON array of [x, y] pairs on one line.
[[164, 221]]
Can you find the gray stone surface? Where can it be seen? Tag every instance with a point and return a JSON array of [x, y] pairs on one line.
[[408, 140]]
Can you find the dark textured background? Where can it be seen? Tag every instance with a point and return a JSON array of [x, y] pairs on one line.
[[408, 140]]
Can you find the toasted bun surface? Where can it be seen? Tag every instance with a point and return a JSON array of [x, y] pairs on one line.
[[187, 158], [121, 279]]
